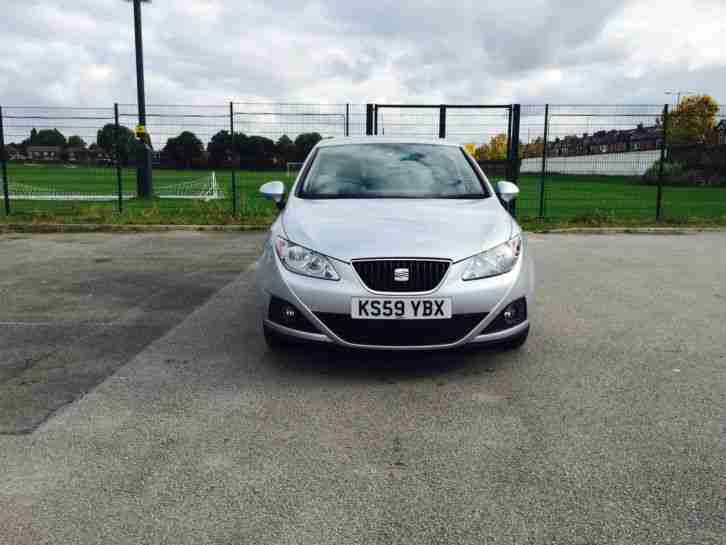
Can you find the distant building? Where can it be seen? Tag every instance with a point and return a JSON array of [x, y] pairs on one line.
[[645, 138], [45, 153], [613, 141], [14, 153], [75, 155], [97, 154]]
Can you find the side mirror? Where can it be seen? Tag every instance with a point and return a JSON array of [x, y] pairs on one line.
[[274, 191], [507, 191]]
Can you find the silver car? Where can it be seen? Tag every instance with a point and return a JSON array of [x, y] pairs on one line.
[[394, 244]]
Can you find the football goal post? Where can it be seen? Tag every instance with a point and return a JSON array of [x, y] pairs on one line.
[[205, 188]]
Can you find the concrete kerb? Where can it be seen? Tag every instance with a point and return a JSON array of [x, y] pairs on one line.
[[142, 228]]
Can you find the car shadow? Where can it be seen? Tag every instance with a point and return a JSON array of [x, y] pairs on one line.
[[385, 366]]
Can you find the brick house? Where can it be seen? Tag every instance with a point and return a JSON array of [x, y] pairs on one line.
[[613, 141], [645, 138]]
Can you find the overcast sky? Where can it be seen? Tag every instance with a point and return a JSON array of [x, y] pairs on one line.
[[80, 52]]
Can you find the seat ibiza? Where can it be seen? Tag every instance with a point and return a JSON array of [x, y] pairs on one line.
[[394, 244]]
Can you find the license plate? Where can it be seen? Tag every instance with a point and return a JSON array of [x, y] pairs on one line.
[[363, 308]]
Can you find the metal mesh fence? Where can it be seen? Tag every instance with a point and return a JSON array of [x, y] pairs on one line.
[[475, 126], [275, 138], [207, 161], [694, 178], [601, 162], [54, 163], [594, 157], [575, 161], [532, 135], [184, 178], [468, 125], [406, 122], [273, 120]]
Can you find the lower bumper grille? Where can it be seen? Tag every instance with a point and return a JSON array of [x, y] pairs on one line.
[[401, 332]]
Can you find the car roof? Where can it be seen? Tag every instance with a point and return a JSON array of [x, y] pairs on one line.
[[352, 140]]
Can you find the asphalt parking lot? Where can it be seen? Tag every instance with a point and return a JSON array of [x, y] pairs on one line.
[[139, 404]]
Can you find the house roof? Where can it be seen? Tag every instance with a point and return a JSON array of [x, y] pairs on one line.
[[44, 148]]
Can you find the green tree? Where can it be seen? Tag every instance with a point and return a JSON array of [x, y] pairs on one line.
[[46, 137], [304, 143], [259, 152], [222, 149], [693, 120], [28, 141], [183, 150], [285, 149], [76, 141], [127, 143]]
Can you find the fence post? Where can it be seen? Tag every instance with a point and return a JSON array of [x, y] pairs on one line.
[[369, 119], [234, 177], [117, 149], [347, 119], [3, 161], [663, 145], [442, 121], [508, 174], [514, 153], [544, 163]]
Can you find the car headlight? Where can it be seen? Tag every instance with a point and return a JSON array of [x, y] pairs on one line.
[[303, 261], [499, 260]]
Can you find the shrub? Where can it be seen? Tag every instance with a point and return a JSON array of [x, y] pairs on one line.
[[679, 174], [671, 169], [595, 218]]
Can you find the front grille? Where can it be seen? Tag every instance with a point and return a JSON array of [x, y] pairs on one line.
[[401, 332], [379, 274]]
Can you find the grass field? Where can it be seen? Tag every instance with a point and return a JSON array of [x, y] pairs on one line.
[[585, 199], [572, 196], [103, 181]]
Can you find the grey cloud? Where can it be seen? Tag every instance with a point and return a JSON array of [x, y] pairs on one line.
[[81, 52]]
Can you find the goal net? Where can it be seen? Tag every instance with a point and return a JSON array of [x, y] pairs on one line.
[[293, 168], [27, 192], [205, 188]]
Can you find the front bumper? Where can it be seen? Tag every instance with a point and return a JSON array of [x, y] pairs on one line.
[[310, 295]]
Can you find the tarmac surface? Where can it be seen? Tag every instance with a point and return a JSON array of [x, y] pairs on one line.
[[139, 404]]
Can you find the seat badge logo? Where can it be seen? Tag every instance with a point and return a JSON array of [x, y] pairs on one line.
[[400, 275]]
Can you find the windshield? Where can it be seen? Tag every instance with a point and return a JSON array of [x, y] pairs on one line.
[[411, 171]]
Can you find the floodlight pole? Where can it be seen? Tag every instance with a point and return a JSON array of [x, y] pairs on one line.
[[139, 62], [144, 186], [676, 93]]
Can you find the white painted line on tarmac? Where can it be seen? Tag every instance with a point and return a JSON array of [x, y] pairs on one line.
[[56, 324]]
